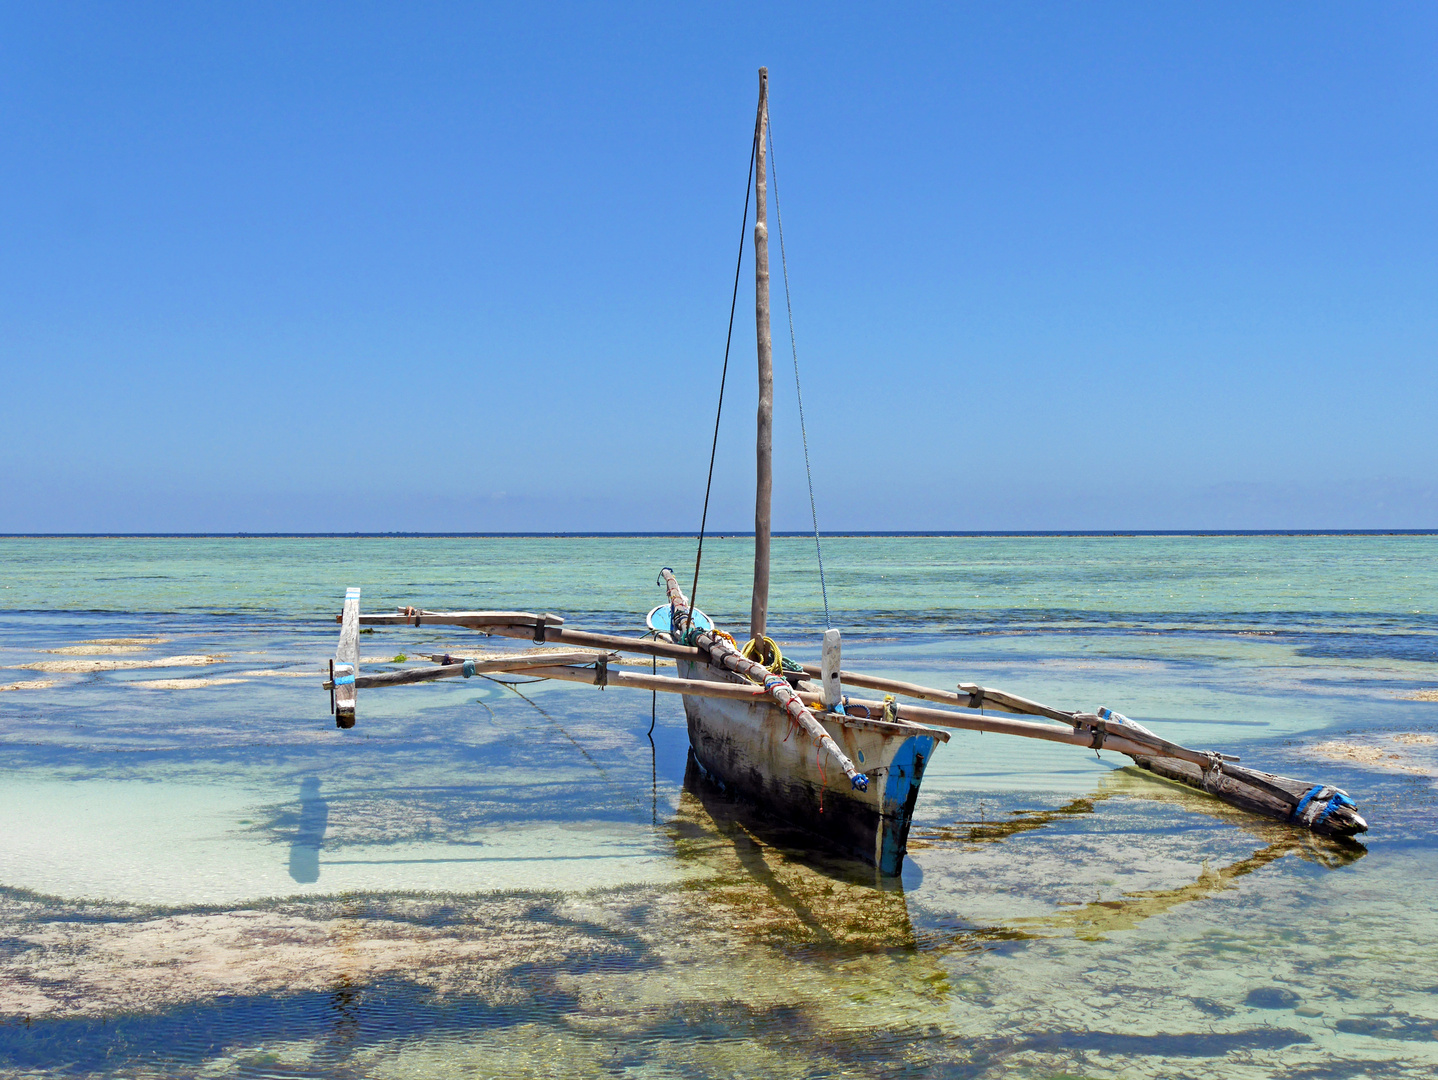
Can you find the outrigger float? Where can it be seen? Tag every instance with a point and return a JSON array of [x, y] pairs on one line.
[[788, 737]]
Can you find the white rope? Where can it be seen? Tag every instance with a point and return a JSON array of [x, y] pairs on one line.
[[798, 390]]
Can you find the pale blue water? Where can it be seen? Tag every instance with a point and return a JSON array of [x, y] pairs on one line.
[[208, 878]]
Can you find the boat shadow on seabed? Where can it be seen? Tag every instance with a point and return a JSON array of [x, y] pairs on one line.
[[777, 884], [782, 890]]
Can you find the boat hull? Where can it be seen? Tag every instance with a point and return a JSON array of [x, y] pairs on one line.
[[754, 750]]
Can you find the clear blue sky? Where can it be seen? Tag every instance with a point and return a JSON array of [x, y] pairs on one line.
[[417, 267]]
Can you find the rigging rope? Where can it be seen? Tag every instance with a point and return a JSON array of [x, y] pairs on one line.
[[724, 375], [798, 390]]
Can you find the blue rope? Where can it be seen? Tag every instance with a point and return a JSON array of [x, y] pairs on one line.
[[1303, 802], [1339, 799]]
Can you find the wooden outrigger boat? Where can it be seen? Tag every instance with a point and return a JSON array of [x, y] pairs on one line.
[[787, 737]]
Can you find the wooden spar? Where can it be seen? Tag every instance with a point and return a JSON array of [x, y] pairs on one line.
[[981, 696], [735, 691], [561, 636], [346, 668], [475, 620], [724, 657], [522, 624], [973, 697], [976, 697], [1029, 729], [764, 486], [457, 668], [1312, 806]]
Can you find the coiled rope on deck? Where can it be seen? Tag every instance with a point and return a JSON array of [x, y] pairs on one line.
[[765, 652]]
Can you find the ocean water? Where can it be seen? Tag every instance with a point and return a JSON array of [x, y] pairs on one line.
[[200, 875]]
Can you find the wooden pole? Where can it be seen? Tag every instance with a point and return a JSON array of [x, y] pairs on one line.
[[973, 697], [764, 493], [475, 620], [454, 668], [613, 642], [522, 624], [829, 678]]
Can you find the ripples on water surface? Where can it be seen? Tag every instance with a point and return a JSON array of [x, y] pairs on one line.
[[201, 876]]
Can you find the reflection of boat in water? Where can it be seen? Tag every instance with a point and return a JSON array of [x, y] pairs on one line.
[[1094, 919], [767, 883], [776, 885]]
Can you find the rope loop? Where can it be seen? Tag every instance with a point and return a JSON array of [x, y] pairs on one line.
[[765, 652]]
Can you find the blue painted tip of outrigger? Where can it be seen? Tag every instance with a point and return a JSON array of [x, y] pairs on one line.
[[665, 621]]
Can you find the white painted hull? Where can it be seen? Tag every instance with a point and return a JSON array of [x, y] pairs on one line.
[[755, 750]]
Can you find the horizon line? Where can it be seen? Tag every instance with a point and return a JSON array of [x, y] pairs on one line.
[[558, 534]]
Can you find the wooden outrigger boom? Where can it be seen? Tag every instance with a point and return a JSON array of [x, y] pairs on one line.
[[1323, 809]]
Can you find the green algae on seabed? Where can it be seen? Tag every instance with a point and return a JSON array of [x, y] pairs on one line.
[[215, 881]]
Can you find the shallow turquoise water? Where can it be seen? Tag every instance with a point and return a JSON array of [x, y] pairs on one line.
[[211, 879]]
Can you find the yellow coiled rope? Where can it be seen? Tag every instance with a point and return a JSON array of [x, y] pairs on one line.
[[765, 651]]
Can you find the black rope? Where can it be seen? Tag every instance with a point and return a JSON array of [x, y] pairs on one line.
[[653, 694], [728, 340], [653, 750]]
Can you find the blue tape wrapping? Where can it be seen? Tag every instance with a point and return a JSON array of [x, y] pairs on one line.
[[1339, 799], [344, 680], [1303, 802], [468, 668], [860, 782]]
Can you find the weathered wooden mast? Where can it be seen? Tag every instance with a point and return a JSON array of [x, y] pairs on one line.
[[764, 492]]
